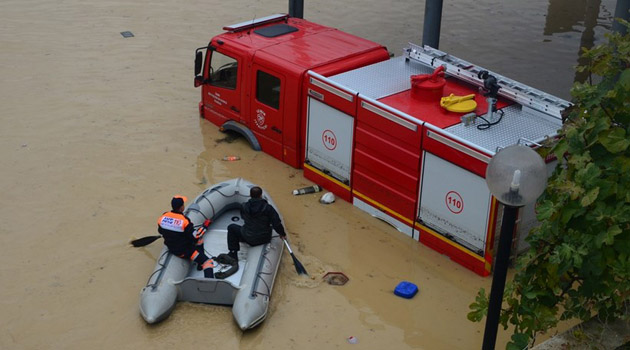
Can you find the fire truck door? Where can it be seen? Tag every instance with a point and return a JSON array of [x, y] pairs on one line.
[[222, 93], [329, 140], [455, 203], [267, 104]]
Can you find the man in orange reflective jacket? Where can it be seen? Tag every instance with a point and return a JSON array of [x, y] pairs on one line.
[[182, 239]]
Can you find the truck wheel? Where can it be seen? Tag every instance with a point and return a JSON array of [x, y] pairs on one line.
[[244, 131]]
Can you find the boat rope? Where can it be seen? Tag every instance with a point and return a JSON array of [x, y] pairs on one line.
[[158, 270], [204, 196], [225, 195], [198, 211], [191, 208], [231, 195], [259, 276], [211, 206], [256, 293]]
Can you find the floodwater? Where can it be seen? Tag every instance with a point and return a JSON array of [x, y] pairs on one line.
[[99, 131]]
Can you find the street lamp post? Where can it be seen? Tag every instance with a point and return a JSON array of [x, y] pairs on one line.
[[516, 176]]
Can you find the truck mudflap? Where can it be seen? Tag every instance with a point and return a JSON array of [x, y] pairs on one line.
[[243, 130]]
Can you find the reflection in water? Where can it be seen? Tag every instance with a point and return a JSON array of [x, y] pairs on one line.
[[565, 15], [209, 167], [562, 15], [204, 159]]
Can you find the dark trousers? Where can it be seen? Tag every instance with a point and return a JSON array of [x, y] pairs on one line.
[[188, 253], [234, 237], [200, 259]]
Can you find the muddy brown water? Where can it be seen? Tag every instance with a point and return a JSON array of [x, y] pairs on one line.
[[99, 131]]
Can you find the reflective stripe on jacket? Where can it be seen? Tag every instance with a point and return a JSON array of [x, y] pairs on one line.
[[173, 221]]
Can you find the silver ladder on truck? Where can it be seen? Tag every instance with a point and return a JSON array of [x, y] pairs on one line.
[[468, 72]]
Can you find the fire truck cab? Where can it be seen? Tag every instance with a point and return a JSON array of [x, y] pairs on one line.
[[252, 77]]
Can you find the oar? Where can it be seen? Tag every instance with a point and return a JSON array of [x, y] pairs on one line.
[[299, 268], [141, 242]]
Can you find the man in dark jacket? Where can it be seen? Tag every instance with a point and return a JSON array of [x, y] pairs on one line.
[[260, 218], [182, 239]]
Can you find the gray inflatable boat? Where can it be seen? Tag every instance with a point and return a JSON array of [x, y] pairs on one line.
[[247, 291]]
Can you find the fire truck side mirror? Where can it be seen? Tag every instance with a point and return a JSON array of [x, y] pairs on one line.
[[198, 62], [198, 81]]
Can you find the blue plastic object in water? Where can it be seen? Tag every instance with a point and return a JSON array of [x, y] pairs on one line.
[[406, 289]]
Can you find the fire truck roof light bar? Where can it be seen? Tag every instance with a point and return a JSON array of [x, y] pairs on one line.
[[255, 22], [466, 71]]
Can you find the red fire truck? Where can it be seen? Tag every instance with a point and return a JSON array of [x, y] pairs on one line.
[[406, 139]]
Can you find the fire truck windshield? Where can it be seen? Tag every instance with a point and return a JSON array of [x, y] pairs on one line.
[[223, 71]]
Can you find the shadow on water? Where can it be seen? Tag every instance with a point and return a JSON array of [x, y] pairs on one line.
[[577, 16], [230, 136]]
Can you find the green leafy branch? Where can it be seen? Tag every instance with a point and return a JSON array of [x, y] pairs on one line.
[[578, 264]]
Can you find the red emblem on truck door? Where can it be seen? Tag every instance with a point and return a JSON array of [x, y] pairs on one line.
[[260, 119]]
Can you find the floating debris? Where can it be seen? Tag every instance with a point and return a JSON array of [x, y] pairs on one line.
[[336, 278], [406, 289], [305, 190], [327, 198], [352, 339], [231, 158], [127, 34]]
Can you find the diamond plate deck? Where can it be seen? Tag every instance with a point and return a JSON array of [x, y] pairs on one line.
[[517, 124], [387, 78], [382, 79]]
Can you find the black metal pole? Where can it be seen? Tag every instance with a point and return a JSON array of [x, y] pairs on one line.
[[622, 10], [498, 277], [432, 23], [296, 8]]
